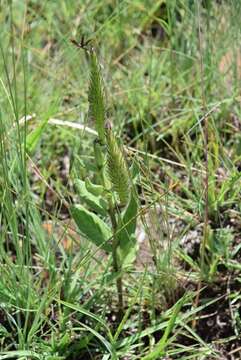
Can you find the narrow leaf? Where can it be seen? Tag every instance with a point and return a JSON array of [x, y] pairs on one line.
[[34, 136], [161, 345], [19, 353]]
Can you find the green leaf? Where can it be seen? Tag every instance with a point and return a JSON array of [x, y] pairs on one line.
[[126, 233], [92, 227], [19, 353], [89, 314], [134, 170], [105, 342], [33, 138], [94, 189], [159, 349], [96, 203]]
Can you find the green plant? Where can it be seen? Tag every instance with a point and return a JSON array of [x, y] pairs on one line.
[[154, 80], [113, 198]]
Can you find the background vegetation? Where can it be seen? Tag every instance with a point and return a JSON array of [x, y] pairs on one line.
[[171, 74]]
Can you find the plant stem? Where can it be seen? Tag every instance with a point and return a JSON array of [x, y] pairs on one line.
[[116, 266], [206, 178]]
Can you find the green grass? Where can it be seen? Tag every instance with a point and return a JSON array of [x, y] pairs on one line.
[[168, 67]]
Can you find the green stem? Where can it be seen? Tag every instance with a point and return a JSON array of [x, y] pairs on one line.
[[116, 266]]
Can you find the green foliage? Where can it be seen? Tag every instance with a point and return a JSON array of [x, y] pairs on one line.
[[163, 342], [34, 137], [92, 227], [126, 233], [95, 202], [219, 242], [114, 179], [20, 354], [57, 294], [96, 190], [99, 155]]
